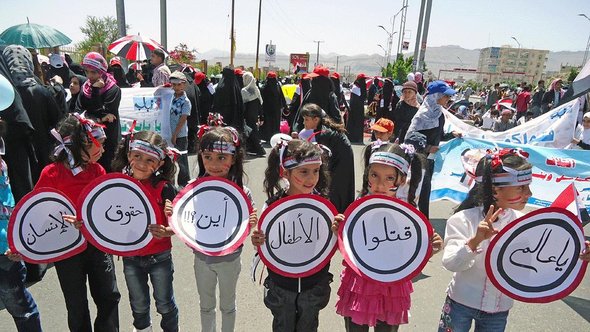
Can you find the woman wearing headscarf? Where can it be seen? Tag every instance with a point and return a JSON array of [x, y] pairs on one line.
[[252, 111], [429, 121], [100, 100], [321, 94], [321, 129], [419, 80], [342, 103], [38, 101], [356, 117], [300, 92], [227, 100], [116, 69], [18, 139], [405, 110], [76, 83], [274, 104], [205, 96], [387, 101]]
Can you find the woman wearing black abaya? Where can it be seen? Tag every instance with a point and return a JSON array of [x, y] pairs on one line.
[[321, 94], [387, 101], [38, 101], [205, 96], [342, 104], [18, 140], [76, 82], [356, 116], [321, 129], [405, 110], [274, 104], [253, 110], [300, 92], [227, 100]]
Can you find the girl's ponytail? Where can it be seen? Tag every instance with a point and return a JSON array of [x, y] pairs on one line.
[[272, 175]]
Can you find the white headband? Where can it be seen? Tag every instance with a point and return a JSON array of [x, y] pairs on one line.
[[511, 178], [147, 148], [390, 159]]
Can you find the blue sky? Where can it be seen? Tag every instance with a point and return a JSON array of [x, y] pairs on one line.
[[347, 27]]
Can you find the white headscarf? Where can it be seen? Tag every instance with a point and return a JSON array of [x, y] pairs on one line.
[[427, 116], [250, 91]]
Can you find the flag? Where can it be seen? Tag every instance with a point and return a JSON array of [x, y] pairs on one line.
[[569, 200]]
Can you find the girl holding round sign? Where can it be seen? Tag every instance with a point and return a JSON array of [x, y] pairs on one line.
[[295, 302], [220, 155], [145, 157], [364, 300], [79, 147], [501, 191]]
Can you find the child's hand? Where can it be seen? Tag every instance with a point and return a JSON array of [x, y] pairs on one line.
[[437, 243], [168, 209], [72, 220], [160, 231], [486, 229], [336, 222], [258, 238], [253, 220], [99, 83], [13, 256], [108, 118], [585, 255]]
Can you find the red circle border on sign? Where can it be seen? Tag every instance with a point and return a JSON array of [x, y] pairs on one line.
[[86, 191], [406, 205], [189, 187], [544, 299], [274, 205], [12, 221]]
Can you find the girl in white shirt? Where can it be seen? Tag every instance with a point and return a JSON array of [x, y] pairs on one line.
[[500, 193]]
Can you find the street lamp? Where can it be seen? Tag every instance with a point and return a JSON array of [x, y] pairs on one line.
[[587, 43], [518, 56], [400, 36], [384, 54], [389, 41]]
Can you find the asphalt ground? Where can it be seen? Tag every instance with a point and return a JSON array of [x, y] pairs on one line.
[[569, 314]]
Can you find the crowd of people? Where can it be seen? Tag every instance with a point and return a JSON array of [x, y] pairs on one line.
[[50, 142]]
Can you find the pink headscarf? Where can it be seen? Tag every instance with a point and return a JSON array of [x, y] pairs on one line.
[[418, 77], [95, 61], [552, 86]]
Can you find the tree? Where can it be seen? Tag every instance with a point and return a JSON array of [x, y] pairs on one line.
[[572, 75], [100, 32], [182, 55], [400, 69]]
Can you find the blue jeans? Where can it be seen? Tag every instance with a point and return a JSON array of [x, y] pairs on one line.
[[160, 270], [15, 296], [456, 317]]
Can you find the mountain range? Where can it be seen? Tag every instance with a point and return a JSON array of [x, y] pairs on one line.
[[437, 58]]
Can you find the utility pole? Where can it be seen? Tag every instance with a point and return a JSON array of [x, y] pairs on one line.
[[232, 37], [317, 59], [337, 57], [163, 25], [425, 34], [418, 36], [122, 25], [256, 69], [402, 27]]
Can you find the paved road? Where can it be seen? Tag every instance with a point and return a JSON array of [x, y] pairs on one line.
[[569, 314]]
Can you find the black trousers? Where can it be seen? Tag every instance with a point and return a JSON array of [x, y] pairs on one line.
[[99, 268]]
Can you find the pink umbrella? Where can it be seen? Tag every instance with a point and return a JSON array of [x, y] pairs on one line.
[[134, 47]]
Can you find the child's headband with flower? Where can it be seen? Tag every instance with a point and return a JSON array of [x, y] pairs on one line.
[[150, 149], [93, 130], [291, 162], [221, 146], [389, 158], [506, 177]]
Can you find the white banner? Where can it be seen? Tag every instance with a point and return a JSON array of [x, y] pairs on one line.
[[553, 129], [148, 106]]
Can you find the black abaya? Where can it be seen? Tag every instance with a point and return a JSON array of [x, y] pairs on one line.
[[227, 100], [356, 116], [340, 166], [274, 103]]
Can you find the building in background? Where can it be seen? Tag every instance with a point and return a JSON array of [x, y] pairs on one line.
[[501, 64]]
